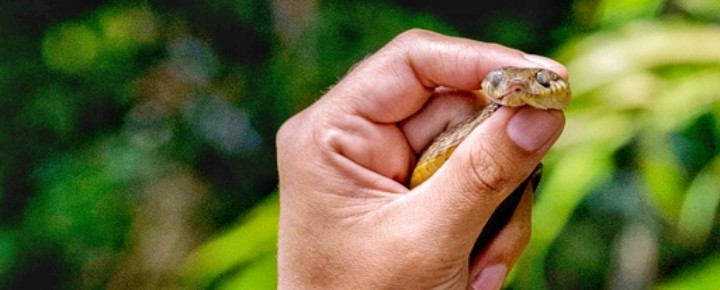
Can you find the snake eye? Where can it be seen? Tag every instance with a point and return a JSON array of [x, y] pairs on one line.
[[543, 78], [495, 77]]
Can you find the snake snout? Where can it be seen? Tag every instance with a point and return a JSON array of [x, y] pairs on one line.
[[513, 95], [516, 88]]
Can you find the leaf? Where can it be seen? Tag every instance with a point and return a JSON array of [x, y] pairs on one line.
[[662, 174], [568, 182], [703, 275], [240, 248], [606, 57], [699, 209], [260, 274], [615, 12]]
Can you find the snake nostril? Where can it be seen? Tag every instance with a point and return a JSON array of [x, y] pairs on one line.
[[517, 88]]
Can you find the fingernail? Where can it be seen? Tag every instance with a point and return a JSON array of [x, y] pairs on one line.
[[490, 278], [543, 61], [532, 128]]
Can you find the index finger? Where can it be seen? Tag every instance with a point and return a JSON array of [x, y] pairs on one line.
[[396, 81]]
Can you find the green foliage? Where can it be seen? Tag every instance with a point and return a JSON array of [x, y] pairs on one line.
[[244, 257], [83, 206], [619, 12], [701, 8], [333, 43], [704, 275], [103, 104], [70, 48], [8, 253], [126, 29], [697, 214], [54, 107], [636, 89]]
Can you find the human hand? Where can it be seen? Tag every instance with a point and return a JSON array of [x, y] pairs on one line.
[[347, 220]]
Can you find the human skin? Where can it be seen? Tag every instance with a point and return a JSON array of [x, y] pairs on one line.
[[347, 218]]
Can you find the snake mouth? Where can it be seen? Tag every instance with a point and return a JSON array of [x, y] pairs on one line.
[[516, 88], [513, 96], [513, 89]]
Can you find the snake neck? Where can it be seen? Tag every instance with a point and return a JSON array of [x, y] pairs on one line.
[[460, 131], [480, 117], [452, 137]]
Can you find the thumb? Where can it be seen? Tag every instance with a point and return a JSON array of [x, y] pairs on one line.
[[485, 168]]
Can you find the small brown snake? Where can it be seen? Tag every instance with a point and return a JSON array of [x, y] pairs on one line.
[[505, 86]]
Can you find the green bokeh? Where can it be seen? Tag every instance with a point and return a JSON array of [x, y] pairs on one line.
[[137, 137], [128, 28], [71, 48], [8, 253]]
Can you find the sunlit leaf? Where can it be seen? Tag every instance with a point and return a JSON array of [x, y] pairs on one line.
[[610, 56], [701, 276], [700, 206], [260, 274], [662, 175], [240, 247], [566, 184], [684, 98], [704, 8], [568, 181], [599, 125], [622, 11]]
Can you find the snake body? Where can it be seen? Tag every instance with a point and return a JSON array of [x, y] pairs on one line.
[[505, 86]]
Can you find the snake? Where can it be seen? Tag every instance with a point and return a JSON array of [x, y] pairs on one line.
[[504, 86]]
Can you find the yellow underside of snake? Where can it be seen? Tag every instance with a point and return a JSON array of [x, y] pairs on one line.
[[505, 86]]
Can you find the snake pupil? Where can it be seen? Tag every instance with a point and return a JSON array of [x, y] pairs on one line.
[[543, 78], [495, 77]]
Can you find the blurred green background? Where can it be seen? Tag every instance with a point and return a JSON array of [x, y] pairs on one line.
[[137, 137]]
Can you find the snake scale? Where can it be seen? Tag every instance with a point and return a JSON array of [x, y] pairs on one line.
[[504, 86]]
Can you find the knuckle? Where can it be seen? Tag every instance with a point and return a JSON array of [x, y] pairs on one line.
[[325, 125], [328, 138], [304, 131], [288, 131], [316, 131]]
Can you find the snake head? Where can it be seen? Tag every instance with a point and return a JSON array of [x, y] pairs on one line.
[[540, 88]]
